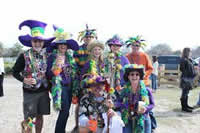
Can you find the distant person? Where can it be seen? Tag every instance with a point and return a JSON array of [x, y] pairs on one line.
[[198, 102], [2, 71], [187, 69], [30, 68], [154, 74], [138, 57]]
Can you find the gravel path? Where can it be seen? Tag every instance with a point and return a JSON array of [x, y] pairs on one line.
[[170, 118]]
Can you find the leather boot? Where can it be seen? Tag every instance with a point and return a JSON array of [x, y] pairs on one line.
[[183, 105]]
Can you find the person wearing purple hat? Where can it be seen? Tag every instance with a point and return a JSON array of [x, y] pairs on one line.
[[95, 111], [30, 68], [61, 71], [114, 62]]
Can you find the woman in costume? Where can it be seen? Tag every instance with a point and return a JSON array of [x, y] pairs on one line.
[[95, 111], [30, 68], [115, 62], [95, 64], [61, 71], [187, 69], [133, 100]]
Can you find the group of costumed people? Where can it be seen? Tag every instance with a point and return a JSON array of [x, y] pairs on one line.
[[112, 92]]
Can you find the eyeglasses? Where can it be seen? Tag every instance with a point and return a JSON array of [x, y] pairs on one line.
[[134, 74]]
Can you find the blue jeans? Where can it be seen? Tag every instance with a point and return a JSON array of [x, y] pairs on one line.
[[128, 127], [154, 81], [147, 124], [64, 112]]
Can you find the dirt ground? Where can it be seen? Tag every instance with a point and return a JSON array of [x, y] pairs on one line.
[[167, 111]]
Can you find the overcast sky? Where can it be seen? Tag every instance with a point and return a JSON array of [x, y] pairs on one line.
[[175, 22]]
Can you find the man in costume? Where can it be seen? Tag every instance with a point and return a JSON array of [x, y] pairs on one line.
[[81, 55], [30, 69]]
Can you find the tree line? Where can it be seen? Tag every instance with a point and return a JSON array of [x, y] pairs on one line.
[[159, 49]]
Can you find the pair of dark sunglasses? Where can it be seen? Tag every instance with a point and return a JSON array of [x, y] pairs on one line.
[[134, 74], [136, 45]]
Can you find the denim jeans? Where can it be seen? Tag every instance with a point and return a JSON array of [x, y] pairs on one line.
[[64, 112], [147, 124], [1, 84], [154, 81], [128, 127]]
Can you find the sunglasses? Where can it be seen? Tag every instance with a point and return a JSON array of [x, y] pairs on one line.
[[136, 45], [134, 74]]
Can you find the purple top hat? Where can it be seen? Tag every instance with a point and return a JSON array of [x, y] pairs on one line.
[[115, 40], [64, 38], [37, 32]]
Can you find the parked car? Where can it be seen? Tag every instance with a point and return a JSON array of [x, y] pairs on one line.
[[170, 62]]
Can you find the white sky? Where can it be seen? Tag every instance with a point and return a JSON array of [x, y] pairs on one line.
[[175, 22]]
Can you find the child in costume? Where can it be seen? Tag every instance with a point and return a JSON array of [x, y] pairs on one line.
[[96, 107], [61, 71], [30, 68]]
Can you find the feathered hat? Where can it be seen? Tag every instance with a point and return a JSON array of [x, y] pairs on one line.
[[64, 38], [87, 32], [136, 41], [133, 67], [37, 32], [115, 40]]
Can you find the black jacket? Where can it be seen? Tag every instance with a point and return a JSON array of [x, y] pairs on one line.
[[187, 68]]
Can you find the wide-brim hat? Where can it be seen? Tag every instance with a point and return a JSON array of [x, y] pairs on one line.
[[71, 44], [26, 40], [95, 44], [63, 37], [131, 68], [37, 32], [91, 80], [115, 40]]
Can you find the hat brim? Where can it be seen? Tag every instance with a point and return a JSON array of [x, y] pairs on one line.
[[26, 40], [71, 44], [128, 70], [95, 44]]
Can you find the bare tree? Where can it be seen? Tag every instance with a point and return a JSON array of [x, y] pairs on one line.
[[160, 49]]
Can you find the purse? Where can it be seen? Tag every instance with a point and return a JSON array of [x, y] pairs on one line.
[[188, 82]]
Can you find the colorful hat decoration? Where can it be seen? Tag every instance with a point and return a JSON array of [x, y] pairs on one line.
[[64, 38], [92, 80], [37, 32], [95, 44], [115, 40], [136, 41], [87, 32], [133, 67]]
